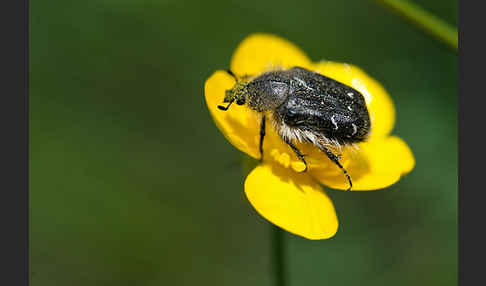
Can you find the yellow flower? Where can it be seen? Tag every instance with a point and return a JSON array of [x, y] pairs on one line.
[[278, 188]]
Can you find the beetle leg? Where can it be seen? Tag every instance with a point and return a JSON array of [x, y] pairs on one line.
[[297, 152], [262, 135], [335, 160], [244, 77]]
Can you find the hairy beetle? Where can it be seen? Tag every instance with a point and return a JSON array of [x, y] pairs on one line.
[[305, 106]]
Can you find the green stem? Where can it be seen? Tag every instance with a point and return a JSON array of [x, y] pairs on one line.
[[278, 248], [425, 20], [277, 234]]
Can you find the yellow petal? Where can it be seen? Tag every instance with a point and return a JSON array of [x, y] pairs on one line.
[[292, 201], [378, 164], [238, 124], [380, 105], [261, 52]]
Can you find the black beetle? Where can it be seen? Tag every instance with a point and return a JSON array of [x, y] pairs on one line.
[[305, 106]]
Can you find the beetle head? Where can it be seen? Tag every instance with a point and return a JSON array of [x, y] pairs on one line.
[[238, 93]]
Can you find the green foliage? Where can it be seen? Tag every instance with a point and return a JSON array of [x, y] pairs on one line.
[[131, 183], [430, 23]]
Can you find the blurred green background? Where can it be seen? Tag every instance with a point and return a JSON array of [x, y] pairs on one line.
[[131, 183]]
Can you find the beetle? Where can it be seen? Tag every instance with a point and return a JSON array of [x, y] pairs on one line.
[[305, 106]]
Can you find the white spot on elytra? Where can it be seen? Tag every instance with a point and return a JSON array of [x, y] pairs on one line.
[[355, 129], [350, 94], [334, 123], [349, 108], [299, 80], [303, 83]]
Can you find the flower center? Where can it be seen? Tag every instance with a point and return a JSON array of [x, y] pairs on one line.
[[283, 158]]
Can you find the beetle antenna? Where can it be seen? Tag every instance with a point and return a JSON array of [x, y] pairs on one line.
[[232, 74], [226, 108]]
